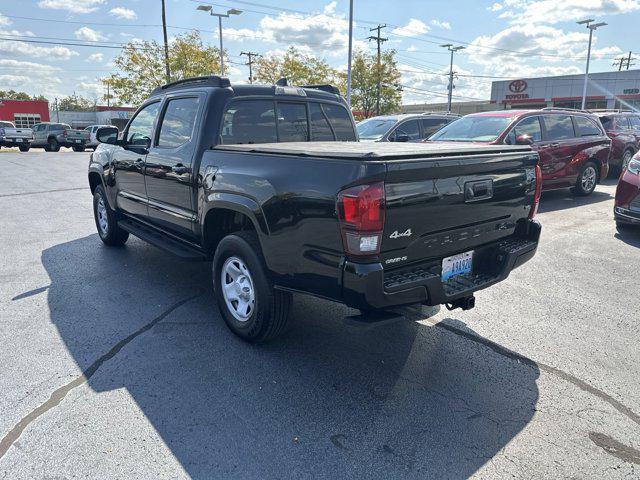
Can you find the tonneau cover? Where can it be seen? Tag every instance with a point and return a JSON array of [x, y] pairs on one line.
[[375, 150]]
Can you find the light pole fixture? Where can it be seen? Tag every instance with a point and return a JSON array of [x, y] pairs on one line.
[[591, 27], [233, 11], [452, 49]]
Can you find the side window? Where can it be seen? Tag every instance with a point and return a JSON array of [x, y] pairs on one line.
[[340, 121], [177, 122], [410, 128], [141, 127], [586, 128], [292, 122], [635, 122], [249, 121], [432, 125], [528, 126], [320, 127], [558, 127], [621, 123]]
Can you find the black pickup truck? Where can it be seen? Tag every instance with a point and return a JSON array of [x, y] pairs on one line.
[[271, 184]]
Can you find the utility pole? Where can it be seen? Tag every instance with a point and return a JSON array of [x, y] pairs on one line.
[[108, 96], [619, 61], [629, 61], [166, 43], [350, 54], [250, 56], [452, 49], [379, 40], [57, 110]]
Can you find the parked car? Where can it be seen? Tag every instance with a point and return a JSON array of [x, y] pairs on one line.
[[623, 128], [10, 136], [202, 170], [93, 141], [572, 144], [52, 136], [627, 203], [404, 127]]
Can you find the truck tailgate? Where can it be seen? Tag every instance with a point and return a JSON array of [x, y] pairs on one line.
[[438, 207]]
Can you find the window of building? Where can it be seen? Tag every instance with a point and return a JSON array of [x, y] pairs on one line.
[[558, 127], [586, 127], [178, 122], [26, 120], [292, 122]]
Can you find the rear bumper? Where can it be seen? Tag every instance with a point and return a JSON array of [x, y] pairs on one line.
[[368, 286], [14, 141]]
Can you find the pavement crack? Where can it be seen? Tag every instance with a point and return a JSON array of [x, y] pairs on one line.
[[581, 384], [60, 393]]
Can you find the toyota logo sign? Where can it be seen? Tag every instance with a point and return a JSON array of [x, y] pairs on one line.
[[518, 86]]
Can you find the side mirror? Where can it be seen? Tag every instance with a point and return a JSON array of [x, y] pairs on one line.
[[107, 135], [402, 137], [524, 140]]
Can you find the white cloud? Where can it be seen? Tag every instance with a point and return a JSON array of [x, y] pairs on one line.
[[90, 89], [431, 87], [4, 21], [441, 24], [320, 34], [330, 8], [554, 11], [24, 49], [28, 75], [496, 7], [414, 27], [89, 35], [72, 6], [123, 13], [95, 58], [412, 48]]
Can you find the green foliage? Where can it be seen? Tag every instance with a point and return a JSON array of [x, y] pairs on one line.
[[297, 67], [364, 83], [13, 95], [75, 103], [143, 66]]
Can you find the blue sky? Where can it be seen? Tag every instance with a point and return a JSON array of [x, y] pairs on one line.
[[503, 39]]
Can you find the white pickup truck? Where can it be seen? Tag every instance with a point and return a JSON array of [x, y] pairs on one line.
[[10, 136]]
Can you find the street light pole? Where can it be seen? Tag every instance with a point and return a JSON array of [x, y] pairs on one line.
[[350, 53], [591, 28], [233, 11], [452, 49]]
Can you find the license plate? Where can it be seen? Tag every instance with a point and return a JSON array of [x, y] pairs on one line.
[[457, 265], [78, 141], [18, 139]]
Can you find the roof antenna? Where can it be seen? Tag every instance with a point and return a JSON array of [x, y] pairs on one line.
[[282, 82]]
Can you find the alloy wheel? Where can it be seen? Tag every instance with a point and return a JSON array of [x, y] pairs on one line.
[[588, 179]]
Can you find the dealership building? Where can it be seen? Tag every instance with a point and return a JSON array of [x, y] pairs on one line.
[[611, 90], [24, 113]]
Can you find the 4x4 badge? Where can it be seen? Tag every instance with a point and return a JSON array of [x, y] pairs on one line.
[[406, 233]]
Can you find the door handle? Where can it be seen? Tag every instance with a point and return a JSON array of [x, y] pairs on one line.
[[180, 169]]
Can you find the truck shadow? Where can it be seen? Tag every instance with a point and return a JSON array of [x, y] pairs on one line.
[[401, 400], [554, 200]]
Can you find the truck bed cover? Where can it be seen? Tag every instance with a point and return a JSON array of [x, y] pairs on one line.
[[375, 151]]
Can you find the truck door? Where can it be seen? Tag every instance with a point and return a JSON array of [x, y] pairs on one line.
[[168, 169], [128, 163]]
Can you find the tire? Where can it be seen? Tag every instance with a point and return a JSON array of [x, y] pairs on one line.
[[52, 145], [252, 308], [106, 220], [78, 149], [587, 180], [24, 148], [626, 158]]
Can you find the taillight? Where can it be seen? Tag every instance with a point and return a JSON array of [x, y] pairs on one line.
[[361, 215], [536, 195]]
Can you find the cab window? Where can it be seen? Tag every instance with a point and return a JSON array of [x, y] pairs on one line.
[[292, 122], [249, 121], [141, 127], [320, 126], [340, 121], [178, 121]]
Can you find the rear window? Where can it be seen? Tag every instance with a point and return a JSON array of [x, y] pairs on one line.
[[265, 121], [558, 127], [586, 127], [6, 125]]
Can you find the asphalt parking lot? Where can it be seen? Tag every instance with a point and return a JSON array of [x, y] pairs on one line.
[[115, 362]]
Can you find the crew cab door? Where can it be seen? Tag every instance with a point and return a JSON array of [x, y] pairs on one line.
[[40, 135], [168, 169], [128, 162]]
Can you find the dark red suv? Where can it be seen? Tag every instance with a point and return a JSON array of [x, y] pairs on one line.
[[572, 144], [627, 206], [623, 128]]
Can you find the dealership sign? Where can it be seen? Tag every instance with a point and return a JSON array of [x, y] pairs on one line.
[[517, 87], [630, 91]]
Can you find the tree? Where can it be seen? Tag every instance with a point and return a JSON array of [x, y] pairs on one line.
[[364, 83], [13, 95], [297, 67], [75, 103], [143, 67]]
